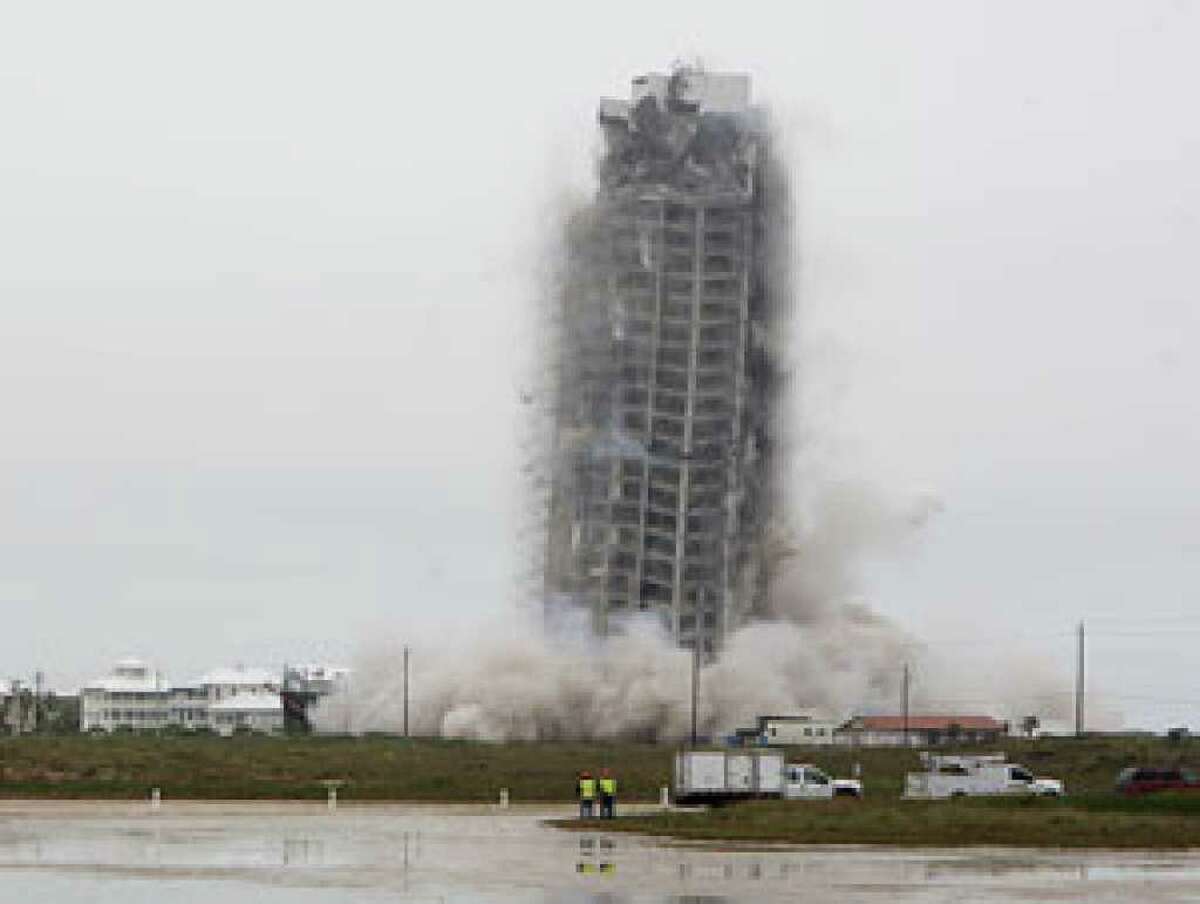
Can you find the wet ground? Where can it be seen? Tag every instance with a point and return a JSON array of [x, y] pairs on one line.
[[264, 853]]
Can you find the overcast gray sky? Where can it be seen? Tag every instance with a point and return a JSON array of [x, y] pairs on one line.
[[266, 271]]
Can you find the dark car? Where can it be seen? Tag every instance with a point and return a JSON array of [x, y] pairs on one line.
[[1145, 781]]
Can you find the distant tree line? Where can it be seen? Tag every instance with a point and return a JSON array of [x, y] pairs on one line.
[[25, 712]]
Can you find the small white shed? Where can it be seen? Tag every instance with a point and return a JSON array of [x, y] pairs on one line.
[[796, 730]]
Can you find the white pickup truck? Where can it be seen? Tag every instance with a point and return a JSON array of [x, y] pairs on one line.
[[719, 776], [803, 781], [970, 776]]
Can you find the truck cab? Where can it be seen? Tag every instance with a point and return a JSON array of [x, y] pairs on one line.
[[804, 781]]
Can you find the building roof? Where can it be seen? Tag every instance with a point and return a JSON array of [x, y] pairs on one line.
[[130, 675], [926, 723], [240, 676], [319, 672], [798, 717], [256, 703], [150, 683]]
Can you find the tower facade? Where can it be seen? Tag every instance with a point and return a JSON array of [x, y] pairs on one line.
[[666, 381]]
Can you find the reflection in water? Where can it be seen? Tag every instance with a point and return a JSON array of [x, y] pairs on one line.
[[595, 857], [294, 854], [584, 897], [303, 852]]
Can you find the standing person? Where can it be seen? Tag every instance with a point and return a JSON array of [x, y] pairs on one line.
[[585, 790], [608, 794]]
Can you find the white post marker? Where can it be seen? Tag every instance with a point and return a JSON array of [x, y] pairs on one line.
[[331, 786], [503, 798], [155, 798], [664, 797]]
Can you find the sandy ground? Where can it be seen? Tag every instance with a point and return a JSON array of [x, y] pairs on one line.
[[236, 853]]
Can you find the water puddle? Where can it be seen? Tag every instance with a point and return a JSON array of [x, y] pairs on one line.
[[277, 852]]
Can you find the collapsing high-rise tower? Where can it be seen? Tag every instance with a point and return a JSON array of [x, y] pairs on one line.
[[667, 379]]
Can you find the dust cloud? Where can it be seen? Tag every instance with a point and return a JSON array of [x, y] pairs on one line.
[[809, 641], [820, 647], [522, 676]]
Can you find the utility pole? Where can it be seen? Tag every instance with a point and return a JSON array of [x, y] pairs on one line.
[[904, 703], [695, 685], [406, 691], [39, 679], [1079, 688], [14, 706]]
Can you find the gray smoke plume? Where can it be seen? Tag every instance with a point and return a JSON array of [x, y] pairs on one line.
[[819, 647], [518, 676], [517, 679]]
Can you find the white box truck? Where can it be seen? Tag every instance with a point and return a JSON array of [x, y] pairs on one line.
[[717, 776], [969, 776]]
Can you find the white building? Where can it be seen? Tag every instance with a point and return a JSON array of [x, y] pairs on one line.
[[241, 698], [921, 730], [800, 729], [221, 684], [137, 698], [318, 680], [259, 713], [133, 695]]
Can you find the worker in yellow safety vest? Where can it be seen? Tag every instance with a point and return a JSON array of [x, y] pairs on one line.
[[608, 794], [585, 790]]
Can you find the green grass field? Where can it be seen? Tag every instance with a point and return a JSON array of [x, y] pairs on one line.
[[394, 768], [374, 768], [1095, 821]]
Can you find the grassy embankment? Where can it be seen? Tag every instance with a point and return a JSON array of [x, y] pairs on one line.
[[1094, 821], [377, 768], [383, 768], [255, 768]]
